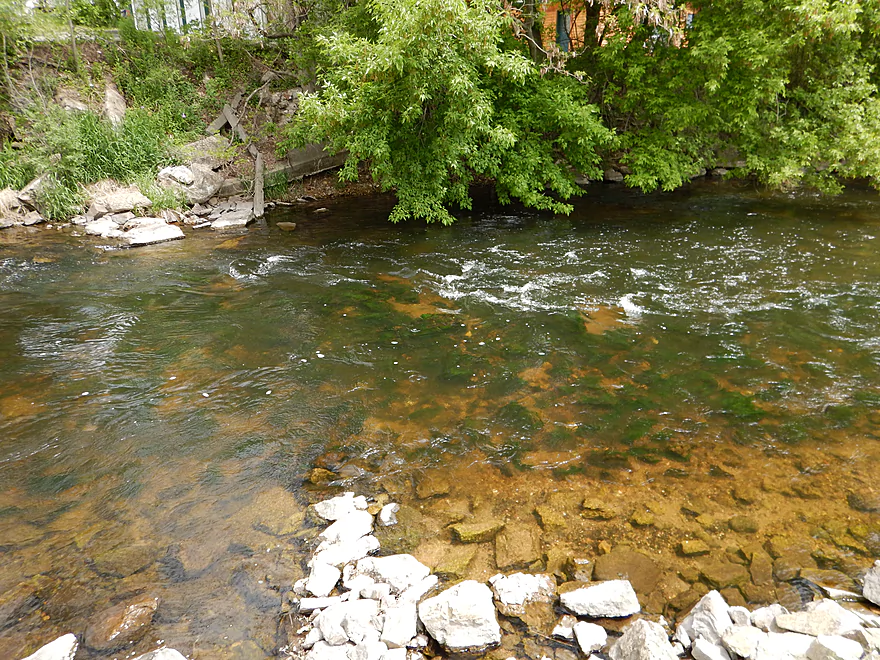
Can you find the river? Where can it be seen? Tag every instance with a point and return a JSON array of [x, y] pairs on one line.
[[697, 366]]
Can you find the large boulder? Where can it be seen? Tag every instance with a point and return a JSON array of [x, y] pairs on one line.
[[212, 151], [120, 200], [114, 105], [63, 648], [197, 182], [612, 599], [462, 618], [643, 640]]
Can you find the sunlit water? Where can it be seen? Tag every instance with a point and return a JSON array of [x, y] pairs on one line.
[[655, 353]]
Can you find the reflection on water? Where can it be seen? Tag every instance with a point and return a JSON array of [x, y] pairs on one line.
[[698, 366]]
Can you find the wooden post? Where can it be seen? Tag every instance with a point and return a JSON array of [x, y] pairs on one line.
[[259, 201]]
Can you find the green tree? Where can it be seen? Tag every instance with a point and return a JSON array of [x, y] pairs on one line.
[[433, 94]]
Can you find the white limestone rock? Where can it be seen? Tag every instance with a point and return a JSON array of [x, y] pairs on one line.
[[415, 592], [322, 579], [708, 619], [612, 599], [63, 648], [643, 640], [162, 654], [824, 617], [312, 604], [151, 233], [178, 174], [514, 592], [705, 650], [399, 571], [740, 615], [349, 528], [589, 636], [387, 515], [400, 625], [765, 617], [784, 646], [312, 637], [871, 586], [353, 621], [462, 617], [834, 647], [339, 554], [565, 627], [103, 227], [325, 651], [368, 650], [742, 640]]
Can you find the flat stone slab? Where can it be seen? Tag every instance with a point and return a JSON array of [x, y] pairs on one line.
[[611, 599]]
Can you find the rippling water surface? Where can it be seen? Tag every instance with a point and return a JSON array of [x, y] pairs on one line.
[[167, 413]]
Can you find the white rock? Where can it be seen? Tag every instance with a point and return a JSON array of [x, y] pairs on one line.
[[513, 592], [834, 647], [643, 640], [324, 651], [178, 173], [354, 582], [338, 554], [368, 650], [824, 617], [784, 646], [387, 516], [63, 648], [354, 621], [870, 638], [162, 654], [233, 220], [103, 227], [678, 648], [312, 637], [349, 528], [311, 604], [589, 636], [765, 617], [399, 571], [613, 598], [148, 234], [705, 650], [395, 654], [708, 619], [871, 586], [462, 617], [418, 642], [377, 591], [565, 627], [322, 579], [740, 615], [414, 593], [400, 625], [742, 640]]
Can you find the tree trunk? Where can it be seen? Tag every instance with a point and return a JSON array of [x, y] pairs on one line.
[[532, 25]]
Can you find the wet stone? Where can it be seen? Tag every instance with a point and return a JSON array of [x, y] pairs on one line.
[[720, 574], [641, 571], [761, 568], [477, 532], [431, 485], [517, 545], [456, 561], [743, 524], [122, 624], [867, 502], [550, 518], [598, 509], [642, 519], [694, 547], [745, 494]]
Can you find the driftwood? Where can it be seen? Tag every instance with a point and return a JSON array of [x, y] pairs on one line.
[[229, 117]]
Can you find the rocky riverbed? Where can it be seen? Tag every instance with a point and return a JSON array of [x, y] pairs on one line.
[[357, 603]]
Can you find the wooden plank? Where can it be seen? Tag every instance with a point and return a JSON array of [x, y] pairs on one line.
[[216, 125], [235, 123], [252, 150], [235, 101], [259, 200]]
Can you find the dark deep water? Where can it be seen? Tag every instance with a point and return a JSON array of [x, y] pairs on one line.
[[690, 358]]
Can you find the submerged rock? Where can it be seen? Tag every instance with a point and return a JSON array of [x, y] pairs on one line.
[[517, 545], [477, 532], [641, 571], [462, 617], [612, 599], [63, 648], [121, 625], [643, 640]]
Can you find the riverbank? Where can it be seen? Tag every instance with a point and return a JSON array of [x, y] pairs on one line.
[[358, 602]]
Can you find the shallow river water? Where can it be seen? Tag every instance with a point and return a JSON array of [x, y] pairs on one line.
[[699, 366]]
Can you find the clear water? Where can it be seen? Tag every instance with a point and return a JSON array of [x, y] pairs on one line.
[[655, 352]]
